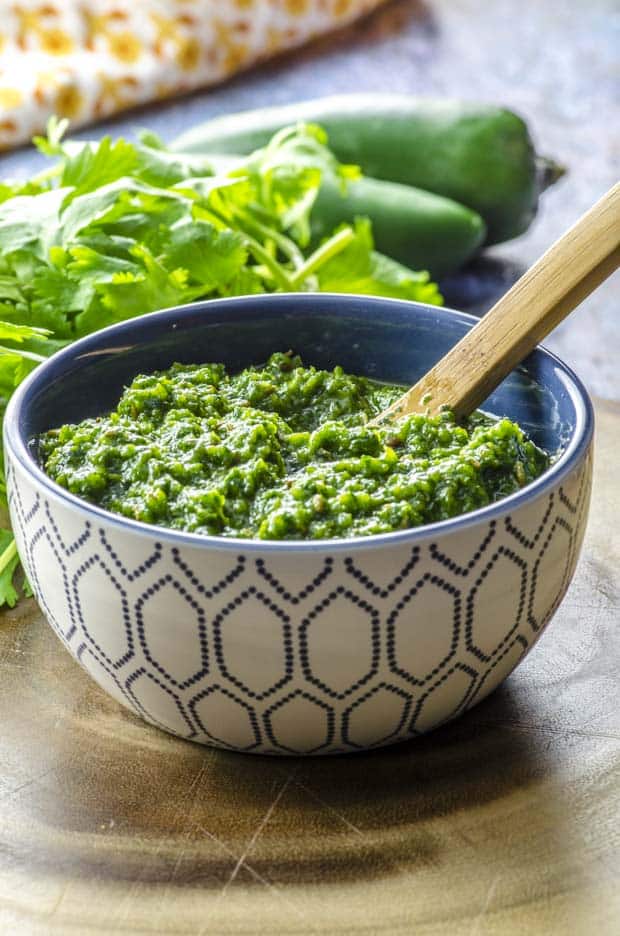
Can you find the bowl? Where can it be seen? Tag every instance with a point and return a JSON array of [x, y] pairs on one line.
[[298, 647]]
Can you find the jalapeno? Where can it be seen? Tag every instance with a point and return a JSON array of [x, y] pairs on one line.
[[479, 155], [421, 230]]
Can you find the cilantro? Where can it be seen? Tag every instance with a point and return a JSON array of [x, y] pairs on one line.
[[116, 229], [17, 358], [51, 145], [19, 353], [361, 269], [9, 562], [210, 256]]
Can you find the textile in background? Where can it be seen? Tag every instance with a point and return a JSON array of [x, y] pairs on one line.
[[86, 59]]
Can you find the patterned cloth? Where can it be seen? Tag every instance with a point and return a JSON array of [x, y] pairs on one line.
[[84, 59]]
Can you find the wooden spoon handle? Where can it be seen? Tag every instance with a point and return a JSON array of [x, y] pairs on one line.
[[568, 272]]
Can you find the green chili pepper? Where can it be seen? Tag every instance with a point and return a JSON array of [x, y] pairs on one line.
[[479, 155], [421, 230]]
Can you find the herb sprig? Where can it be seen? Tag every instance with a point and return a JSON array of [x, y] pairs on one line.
[[116, 229]]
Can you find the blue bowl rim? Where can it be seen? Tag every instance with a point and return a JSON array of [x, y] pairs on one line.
[[294, 302]]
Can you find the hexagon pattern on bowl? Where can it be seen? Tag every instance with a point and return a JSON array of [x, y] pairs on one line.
[[286, 652]]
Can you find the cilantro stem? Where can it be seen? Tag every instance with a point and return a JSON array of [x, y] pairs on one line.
[[325, 252], [286, 245], [276, 269], [8, 555], [47, 174]]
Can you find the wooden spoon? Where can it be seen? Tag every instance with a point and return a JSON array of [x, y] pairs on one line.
[[568, 272]]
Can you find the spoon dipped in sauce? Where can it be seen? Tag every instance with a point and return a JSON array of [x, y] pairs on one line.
[[586, 255]]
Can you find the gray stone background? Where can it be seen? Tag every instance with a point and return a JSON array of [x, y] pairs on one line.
[[557, 62]]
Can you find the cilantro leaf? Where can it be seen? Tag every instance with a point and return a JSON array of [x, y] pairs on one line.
[[123, 293], [96, 165], [157, 166], [119, 202], [211, 257], [360, 269], [51, 144], [18, 356], [20, 333], [31, 222]]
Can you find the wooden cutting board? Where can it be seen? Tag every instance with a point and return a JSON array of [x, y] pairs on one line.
[[504, 822]]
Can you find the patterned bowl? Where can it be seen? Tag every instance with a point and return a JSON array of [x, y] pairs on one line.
[[298, 647]]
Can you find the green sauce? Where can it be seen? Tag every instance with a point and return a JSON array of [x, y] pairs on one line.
[[283, 452]]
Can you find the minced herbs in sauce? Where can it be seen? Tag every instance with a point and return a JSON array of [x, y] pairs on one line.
[[283, 452]]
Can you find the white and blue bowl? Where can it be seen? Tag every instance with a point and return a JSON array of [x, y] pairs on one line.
[[313, 647]]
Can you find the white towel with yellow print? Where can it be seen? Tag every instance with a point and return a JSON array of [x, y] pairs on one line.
[[83, 59]]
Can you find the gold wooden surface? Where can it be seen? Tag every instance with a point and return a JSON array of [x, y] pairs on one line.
[[504, 822]]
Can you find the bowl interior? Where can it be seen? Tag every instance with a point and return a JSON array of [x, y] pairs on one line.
[[386, 340]]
